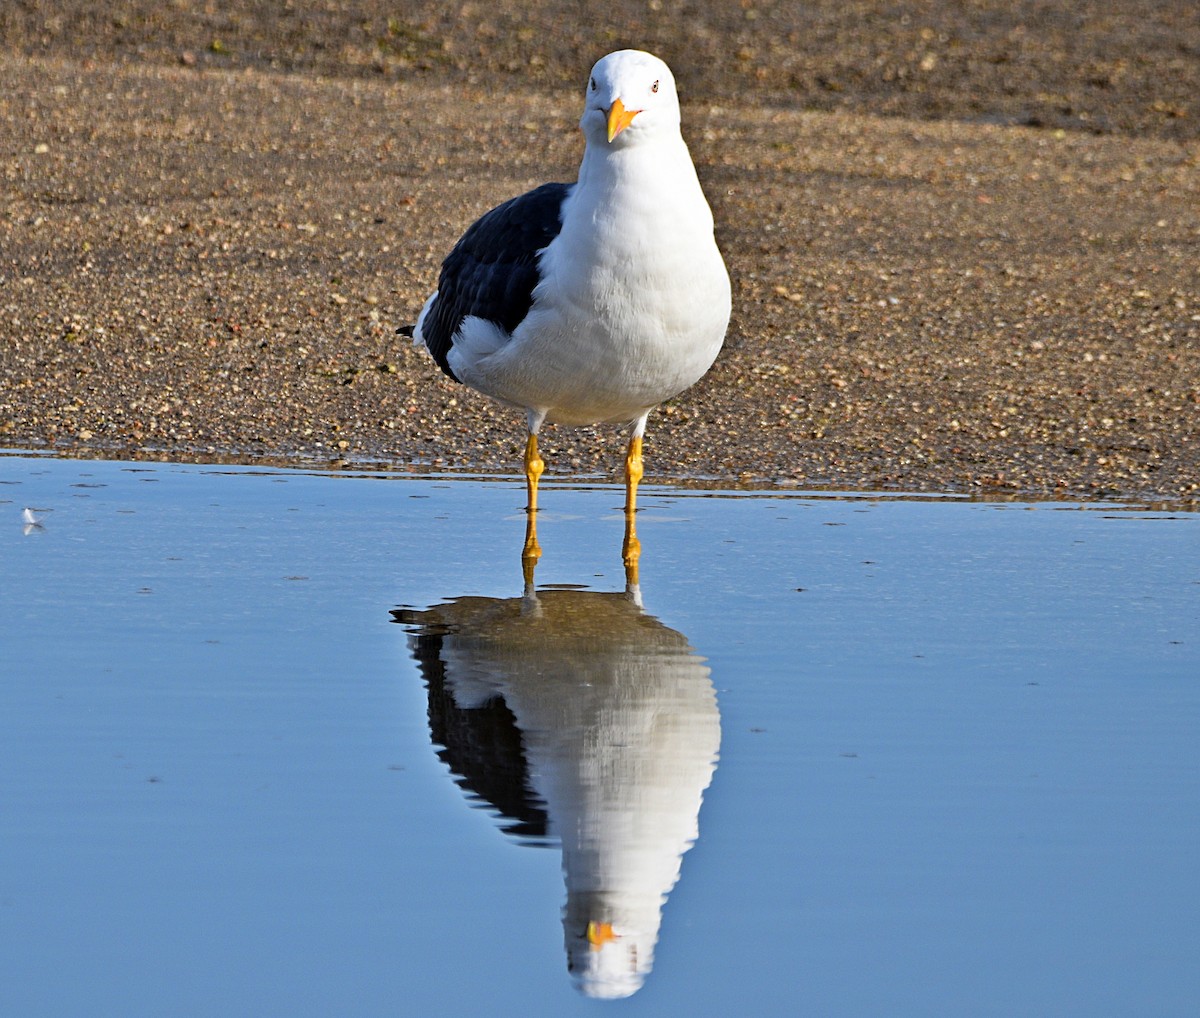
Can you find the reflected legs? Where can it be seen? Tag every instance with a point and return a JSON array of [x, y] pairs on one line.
[[532, 550], [631, 551]]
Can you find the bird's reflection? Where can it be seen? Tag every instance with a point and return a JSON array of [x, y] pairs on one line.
[[32, 522], [579, 717]]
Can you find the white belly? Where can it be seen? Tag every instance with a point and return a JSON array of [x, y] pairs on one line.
[[610, 344], [633, 302]]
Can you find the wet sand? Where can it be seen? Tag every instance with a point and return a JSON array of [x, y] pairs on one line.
[[965, 253]]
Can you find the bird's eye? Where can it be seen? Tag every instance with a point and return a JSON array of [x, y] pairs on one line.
[[592, 84], [654, 87]]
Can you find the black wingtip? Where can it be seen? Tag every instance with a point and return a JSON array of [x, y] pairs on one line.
[[406, 330]]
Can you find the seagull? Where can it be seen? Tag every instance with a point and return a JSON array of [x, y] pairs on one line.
[[591, 302]]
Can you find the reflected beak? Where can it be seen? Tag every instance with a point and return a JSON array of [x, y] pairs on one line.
[[599, 934], [619, 118]]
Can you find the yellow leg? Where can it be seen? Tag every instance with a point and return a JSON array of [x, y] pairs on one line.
[[631, 551], [534, 467], [633, 474], [531, 552]]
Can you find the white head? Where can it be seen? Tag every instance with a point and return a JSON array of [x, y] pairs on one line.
[[630, 95]]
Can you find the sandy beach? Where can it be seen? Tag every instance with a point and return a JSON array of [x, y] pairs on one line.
[[964, 243]]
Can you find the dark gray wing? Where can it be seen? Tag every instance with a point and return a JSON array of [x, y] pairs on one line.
[[493, 268], [482, 745]]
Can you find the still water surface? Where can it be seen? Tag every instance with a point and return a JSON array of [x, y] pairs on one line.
[[290, 743]]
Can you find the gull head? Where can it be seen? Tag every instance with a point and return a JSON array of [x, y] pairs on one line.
[[630, 96]]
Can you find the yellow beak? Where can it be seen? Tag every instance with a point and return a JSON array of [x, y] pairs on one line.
[[599, 934], [619, 118]]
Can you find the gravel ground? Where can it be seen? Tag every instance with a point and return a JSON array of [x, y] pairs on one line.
[[964, 239]]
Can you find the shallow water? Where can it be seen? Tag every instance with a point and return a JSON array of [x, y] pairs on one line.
[[288, 743]]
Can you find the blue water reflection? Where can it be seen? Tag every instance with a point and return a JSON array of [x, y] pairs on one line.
[[958, 750]]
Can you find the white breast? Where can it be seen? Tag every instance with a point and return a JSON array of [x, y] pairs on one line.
[[634, 299]]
